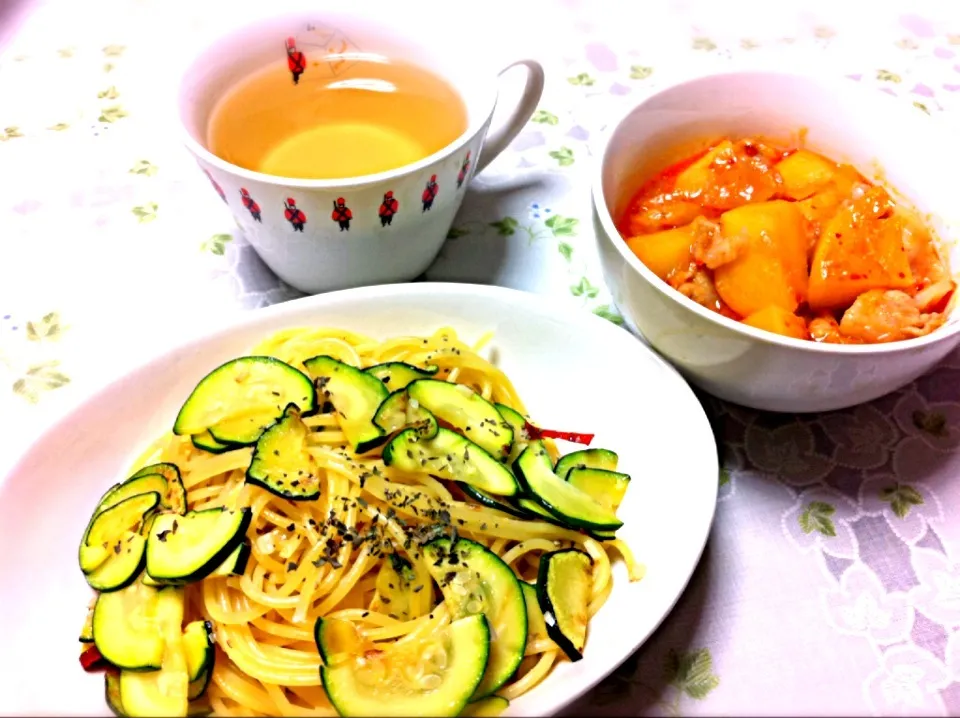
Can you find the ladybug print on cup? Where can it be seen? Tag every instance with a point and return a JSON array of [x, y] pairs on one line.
[[215, 185], [430, 193], [388, 208], [296, 62], [248, 202], [294, 216], [341, 213], [464, 168]]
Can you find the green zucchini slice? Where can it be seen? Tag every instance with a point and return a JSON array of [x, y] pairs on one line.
[[124, 628], [572, 506], [586, 459], [190, 547], [205, 441], [236, 562], [355, 396], [200, 654], [485, 499], [463, 408], [155, 693], [398, 412], [397, 374], [607, 487], [111, 693], [86, 633], [405, 589], [536, 625], [239, 399], [449, 456], [281, 463], [519, 426], [111, 551], [198, 647], [175, 498], [536, 511], [381, 684], [476, 581], [563, 592], [489, 706]]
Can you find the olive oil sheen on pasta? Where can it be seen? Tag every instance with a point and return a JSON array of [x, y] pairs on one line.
[[359, 118]]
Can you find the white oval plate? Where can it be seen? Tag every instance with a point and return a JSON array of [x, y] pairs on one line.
[[573, 371]]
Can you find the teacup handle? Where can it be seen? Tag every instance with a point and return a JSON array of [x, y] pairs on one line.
[[498, 138]]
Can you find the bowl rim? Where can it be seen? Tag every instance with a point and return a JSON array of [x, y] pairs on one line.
[[831, 84]]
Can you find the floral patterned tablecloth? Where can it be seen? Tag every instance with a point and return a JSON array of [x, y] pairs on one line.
[[831, 583]]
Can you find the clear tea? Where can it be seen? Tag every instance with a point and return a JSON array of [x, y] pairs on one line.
[[314, 120]]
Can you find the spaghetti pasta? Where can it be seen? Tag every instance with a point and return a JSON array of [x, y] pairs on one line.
[[332, 557]]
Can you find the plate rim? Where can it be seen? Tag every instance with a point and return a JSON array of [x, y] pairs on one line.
[[207, 332]]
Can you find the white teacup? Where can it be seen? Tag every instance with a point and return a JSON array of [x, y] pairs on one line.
[[334, 236]]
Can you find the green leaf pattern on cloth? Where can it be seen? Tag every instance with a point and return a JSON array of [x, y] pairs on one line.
[[217, 244], [816, 517], [545, 118], [563, 156], [146, 212], [901, 497]]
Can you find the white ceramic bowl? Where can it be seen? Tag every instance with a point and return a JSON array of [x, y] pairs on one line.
[[884, 138]]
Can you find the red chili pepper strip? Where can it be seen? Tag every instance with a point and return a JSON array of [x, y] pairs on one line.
[[92, 661], [535, 432]]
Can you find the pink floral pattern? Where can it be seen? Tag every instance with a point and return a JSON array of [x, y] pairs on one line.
[[938, 592], [907, 507], [938, 424], [860, 606], [864, 437], [786, 452], [907, 683]]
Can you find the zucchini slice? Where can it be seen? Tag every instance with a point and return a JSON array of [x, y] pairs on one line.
[[110, 543], [200, 655], [485, 499], [239, 399], [175, 499], [536, 625], [398, 412], [281, 463], [477, 581], [586, 459], [563, 592], [519, 426], [190, 547], [536, 511], [463, 408], [355, 396], [381, 683], [338, 640], [205, 441], [397, 374], [572, 506], [450, 456], [198, 647], [111, 693], [154, 693], [607, 487], [124, 628], [405, 589], [236, 562], [489, 706], [86, 633]]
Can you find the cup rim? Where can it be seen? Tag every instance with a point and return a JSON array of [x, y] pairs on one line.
[[832, 85], [488, 89]]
